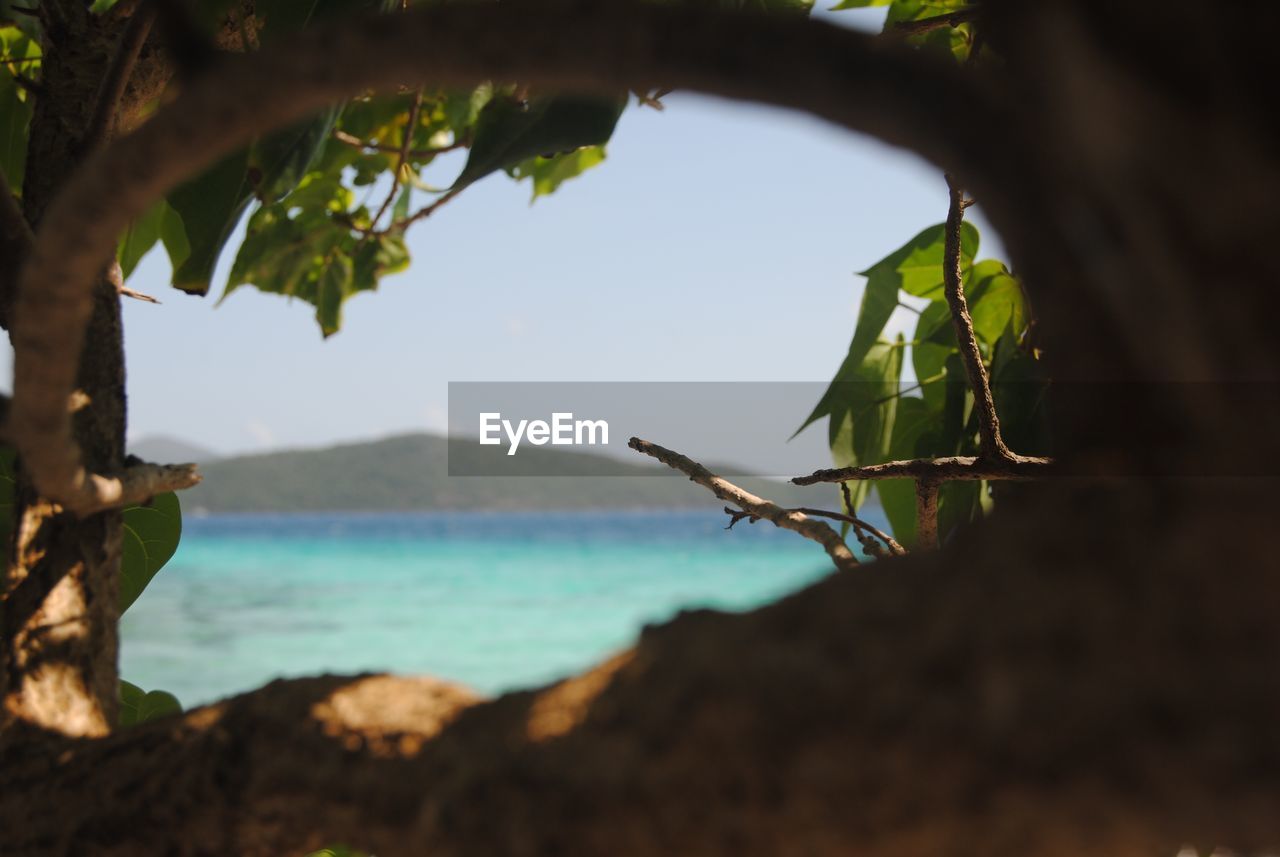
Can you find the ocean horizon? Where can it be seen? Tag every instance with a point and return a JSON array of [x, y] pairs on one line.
[[495, 601]]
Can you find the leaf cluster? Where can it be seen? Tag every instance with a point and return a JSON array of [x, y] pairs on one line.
[[873, 419]]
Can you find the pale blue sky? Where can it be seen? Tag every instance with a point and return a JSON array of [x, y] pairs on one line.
[[717, 243]]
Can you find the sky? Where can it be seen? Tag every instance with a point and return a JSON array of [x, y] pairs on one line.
[[718, 242]]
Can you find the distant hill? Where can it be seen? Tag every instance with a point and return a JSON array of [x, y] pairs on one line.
[[170, 450], [410, 472]]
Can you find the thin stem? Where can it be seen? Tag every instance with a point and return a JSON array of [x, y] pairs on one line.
[[409, 128], [858, 524], [423, 213], [751, 505], [991, 445], [926, 514]]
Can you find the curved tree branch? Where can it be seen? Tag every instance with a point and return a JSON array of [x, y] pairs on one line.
[[848, 718], [854, 80]]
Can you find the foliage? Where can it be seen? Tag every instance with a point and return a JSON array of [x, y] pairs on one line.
[[139, 706], [956, 41], [20, 55], [872, 419]]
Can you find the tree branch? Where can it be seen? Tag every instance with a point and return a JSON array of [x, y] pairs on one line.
[[960, 467], [851, 79], [753, 506], [991, 444], [403, 155], [864, 529], [102, 123]]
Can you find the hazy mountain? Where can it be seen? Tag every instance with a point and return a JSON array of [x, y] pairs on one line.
[[163, 449], [411, 472]]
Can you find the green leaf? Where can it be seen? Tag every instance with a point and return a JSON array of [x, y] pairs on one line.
[[995, 301], [935, 338], [209, 207], [956, 411], [279, 161], [15, 104], [141, 236], [151, 535], [1020, 388], [916, 267], [959, 504], [549, 173], [509, 131], [859, 4], [335, 285], [912, 421], [139, 706], [863, 406], [376, 258]]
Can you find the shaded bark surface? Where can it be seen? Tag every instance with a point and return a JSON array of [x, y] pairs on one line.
[[1096, 669], [60, 616]]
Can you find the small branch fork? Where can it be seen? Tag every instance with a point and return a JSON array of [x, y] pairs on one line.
[[752, 507], [995, 461]]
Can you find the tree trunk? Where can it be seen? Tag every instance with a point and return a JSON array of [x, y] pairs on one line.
[[59, 632]]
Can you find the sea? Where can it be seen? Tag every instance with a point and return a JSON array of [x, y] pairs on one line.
[[492, 600]]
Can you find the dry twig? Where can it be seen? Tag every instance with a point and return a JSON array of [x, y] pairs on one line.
[[751, 505]]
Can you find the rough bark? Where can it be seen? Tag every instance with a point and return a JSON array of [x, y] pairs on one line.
[[59, 622], [1008, 697], [1091, 671]]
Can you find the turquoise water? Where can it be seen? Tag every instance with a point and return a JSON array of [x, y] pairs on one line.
[[495, 601]]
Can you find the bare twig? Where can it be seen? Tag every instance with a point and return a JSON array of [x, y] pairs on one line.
[[423, 213], [405, 144], [864, 529], [926, 514], [751, 505], [116, 276], [937, 22], [960, 467], [126, 292], [102, 123], [991, 444]]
